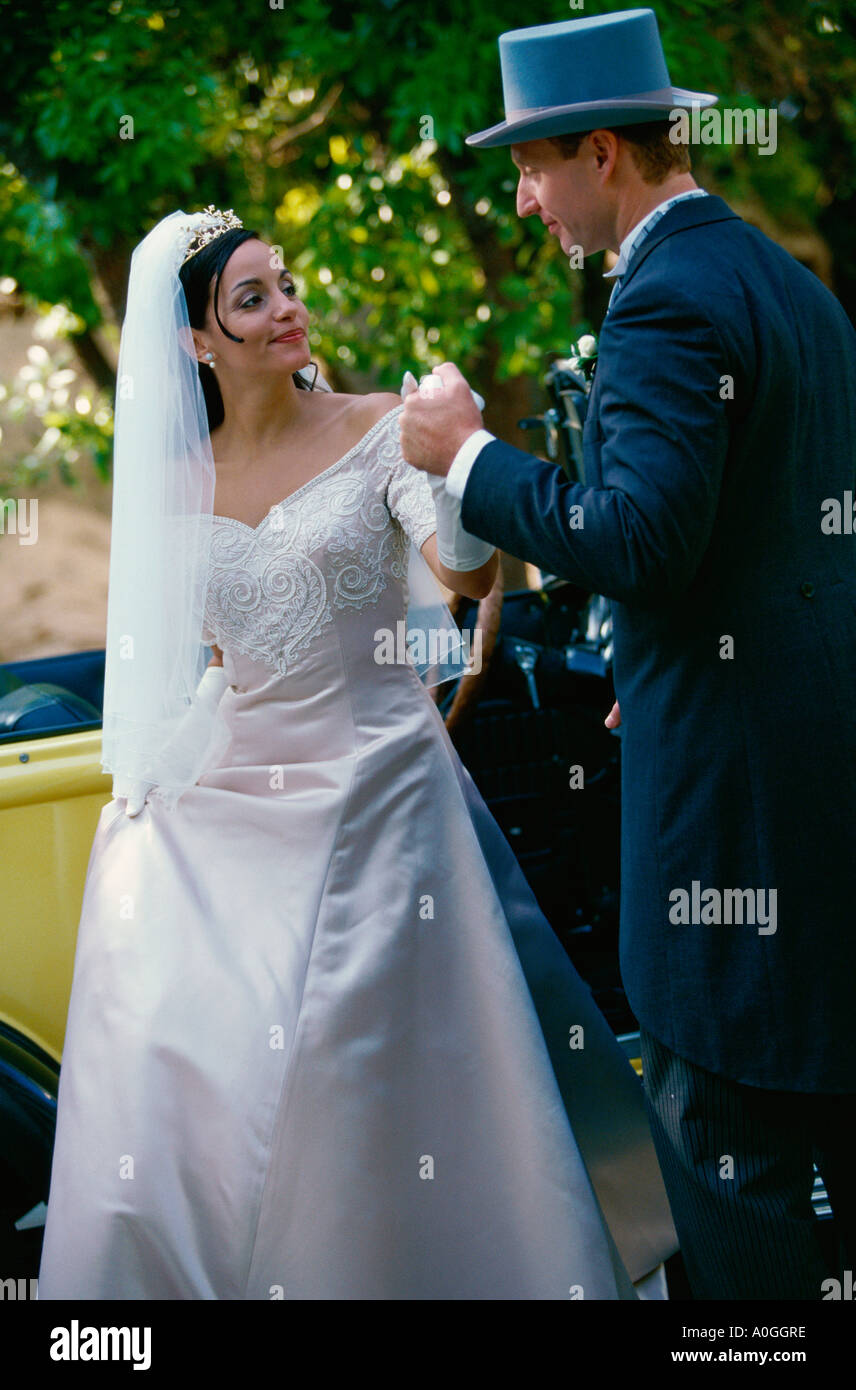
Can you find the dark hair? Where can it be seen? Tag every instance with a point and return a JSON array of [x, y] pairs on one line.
[[196, 276], [652, 151]]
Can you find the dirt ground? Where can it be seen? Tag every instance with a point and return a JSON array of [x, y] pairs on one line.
[[54, 592]]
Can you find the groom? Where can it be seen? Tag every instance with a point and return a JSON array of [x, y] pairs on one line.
[[718, 515]]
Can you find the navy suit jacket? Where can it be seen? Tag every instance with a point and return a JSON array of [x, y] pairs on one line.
[[722, 418]]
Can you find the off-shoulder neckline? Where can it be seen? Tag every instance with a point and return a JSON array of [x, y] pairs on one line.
[[233, 520]]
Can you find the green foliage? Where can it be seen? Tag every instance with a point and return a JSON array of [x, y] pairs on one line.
[[70, 422], [40, 247]]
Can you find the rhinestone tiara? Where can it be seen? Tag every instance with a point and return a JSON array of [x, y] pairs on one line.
[[217, 223]]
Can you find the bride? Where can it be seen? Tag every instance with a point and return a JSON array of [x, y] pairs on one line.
[[321, 1044]]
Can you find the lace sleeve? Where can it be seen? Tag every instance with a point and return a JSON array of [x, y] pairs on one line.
[[408, 494]]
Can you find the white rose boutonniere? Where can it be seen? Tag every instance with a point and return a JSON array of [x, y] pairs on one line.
[[583, 357]]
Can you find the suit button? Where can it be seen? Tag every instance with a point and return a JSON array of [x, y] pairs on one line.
[[807, 589]]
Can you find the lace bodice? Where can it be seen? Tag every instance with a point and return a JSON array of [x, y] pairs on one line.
[[334, 544]]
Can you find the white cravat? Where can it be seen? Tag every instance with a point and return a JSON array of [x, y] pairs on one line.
[[456, 478]]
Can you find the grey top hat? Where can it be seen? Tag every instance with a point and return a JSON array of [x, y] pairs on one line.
[[581, 74]]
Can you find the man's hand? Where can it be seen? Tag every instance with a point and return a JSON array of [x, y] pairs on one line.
[[613, 719], [435, 425]]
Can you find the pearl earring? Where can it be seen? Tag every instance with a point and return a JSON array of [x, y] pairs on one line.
[[209, 357]]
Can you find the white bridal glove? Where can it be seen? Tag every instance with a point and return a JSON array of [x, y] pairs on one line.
[[208, 694], [456, 548]]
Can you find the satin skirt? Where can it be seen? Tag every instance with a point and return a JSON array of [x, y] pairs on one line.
[[319, 1043]]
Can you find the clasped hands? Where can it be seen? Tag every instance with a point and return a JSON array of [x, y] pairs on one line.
[[457, 549], [439, 415]]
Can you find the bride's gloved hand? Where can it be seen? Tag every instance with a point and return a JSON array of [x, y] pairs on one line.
[[193, 726], [456, 548]]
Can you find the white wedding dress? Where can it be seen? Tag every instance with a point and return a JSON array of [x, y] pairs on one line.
[[318, 1040]]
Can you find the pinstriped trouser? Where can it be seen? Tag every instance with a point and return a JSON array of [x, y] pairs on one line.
[[747, 1229]]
